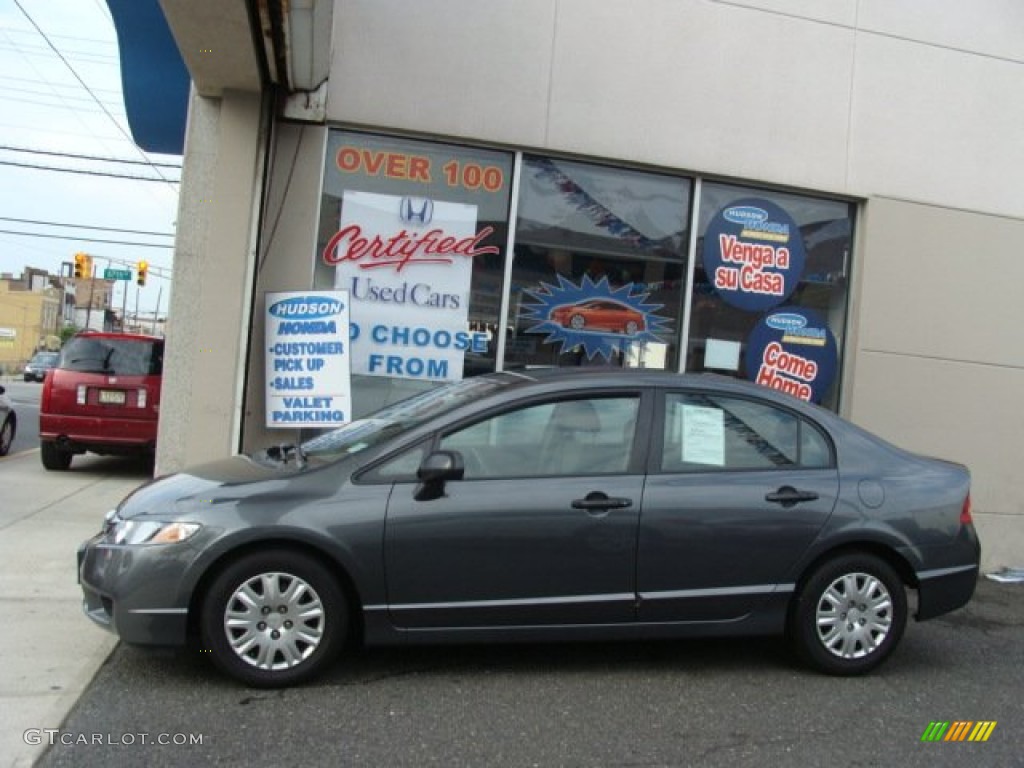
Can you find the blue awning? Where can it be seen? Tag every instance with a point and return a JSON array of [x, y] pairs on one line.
[[153, 76]]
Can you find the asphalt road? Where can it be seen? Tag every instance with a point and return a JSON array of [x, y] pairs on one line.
[[706, 703]]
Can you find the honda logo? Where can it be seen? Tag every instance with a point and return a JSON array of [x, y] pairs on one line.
[[416, 210]]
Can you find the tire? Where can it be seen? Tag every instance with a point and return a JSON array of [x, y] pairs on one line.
[[278, 585], [631, 328], [577, 322], [7, 433], [54, 458], [849, 615]]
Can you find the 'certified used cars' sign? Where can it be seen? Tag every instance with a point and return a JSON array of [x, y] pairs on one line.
[[307, 375]]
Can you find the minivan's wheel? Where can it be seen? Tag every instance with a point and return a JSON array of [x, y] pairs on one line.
[[7, 432], [849, 615], [54, 457], [273, 618]]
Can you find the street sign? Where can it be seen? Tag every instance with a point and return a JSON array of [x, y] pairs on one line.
[[117, 274]]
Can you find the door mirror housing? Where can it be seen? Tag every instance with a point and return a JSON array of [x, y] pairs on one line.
[[435, 470]]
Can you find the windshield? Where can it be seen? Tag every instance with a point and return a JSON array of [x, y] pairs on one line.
[[401, 417], [113, 356]]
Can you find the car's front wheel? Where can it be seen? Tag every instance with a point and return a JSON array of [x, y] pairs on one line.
[[273, 618], [849, 615], [54, 457]]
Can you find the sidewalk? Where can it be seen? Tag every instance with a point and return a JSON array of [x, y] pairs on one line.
[[51, 650]]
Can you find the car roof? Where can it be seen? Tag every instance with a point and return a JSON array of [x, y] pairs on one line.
[[116, 335], [606, 376]]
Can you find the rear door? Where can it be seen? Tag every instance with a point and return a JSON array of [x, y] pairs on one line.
[[738, 490]]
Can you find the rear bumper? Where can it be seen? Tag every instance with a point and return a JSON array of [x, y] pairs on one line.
[[98, 434], [945, 590]]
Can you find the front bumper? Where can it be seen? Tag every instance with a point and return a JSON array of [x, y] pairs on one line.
[[135, 591]]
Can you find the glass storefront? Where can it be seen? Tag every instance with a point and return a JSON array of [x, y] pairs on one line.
[[599, 267]]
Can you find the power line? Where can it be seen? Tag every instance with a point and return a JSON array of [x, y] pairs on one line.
[[87, 157], [89, 90], [87, 173], [84, 239], [87, 226]]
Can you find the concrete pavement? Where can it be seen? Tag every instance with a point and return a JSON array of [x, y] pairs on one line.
[[52, 651]]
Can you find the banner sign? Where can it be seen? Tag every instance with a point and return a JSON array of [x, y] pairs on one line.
[[407, 263], [307, 371], [594, 316], [792, 350], [753, 254]]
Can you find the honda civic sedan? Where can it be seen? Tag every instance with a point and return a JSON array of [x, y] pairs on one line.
[[540, 506]]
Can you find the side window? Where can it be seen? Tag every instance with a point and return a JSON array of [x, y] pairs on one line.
[[591, 436], [400, 468], [705, 432]]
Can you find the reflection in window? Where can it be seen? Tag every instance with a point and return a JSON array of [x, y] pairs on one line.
[[708, 432], [599, 266], [568, 437]]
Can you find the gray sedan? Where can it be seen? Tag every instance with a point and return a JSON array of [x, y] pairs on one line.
[[547, 505]]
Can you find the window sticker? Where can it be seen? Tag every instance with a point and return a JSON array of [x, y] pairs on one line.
[[594, 316], [703, 431]]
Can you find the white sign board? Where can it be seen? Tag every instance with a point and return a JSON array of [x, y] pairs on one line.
[[407, 264], [703, 435], [307, 373]]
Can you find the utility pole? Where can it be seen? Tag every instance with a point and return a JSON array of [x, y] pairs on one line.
[[159, 296]]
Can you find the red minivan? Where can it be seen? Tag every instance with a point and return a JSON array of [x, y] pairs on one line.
[[103, 397]]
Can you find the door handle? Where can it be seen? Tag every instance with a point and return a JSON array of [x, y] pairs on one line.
[[789, 496], [596, 501]]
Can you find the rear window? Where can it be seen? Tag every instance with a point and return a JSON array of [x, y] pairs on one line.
[[113, 356], [44, 358]]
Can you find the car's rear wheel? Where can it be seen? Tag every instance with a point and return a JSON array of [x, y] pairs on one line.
[[631, 328], [577, 322], [849, 615], [273, 618], [54, 457], [7, 432]]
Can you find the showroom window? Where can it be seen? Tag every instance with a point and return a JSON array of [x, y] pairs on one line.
[[770, 287], [599, 266]]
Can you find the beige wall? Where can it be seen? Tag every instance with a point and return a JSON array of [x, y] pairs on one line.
[[937, 363], [858, 97], [213, 263]]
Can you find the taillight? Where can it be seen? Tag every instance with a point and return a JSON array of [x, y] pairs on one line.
[[965, 512], [141, 399], [82, 390]]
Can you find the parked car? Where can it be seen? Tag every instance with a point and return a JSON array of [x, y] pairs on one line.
[[599, 315], [103, 397], [8, 422], [41, 362], [543, 505]]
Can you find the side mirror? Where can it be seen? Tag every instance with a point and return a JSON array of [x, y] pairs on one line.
[[435, 470]]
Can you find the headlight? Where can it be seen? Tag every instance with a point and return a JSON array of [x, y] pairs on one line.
[[150, 532]]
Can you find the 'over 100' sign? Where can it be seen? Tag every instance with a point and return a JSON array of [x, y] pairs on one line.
[[307, 373]]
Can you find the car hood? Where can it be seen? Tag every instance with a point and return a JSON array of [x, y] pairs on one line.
[[203, 483]]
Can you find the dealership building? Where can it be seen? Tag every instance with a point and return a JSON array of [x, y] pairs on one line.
[[821, 197]]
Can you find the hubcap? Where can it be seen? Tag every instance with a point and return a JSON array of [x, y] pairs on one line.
[[274, 621], [854, 615]]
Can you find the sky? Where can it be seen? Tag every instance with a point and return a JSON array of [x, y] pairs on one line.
[[44, 108]]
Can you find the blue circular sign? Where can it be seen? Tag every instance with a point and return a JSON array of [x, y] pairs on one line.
[[792, 350], [753, 254]]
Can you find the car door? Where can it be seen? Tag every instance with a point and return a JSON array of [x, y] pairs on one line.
[[540, 531], [738, 490]]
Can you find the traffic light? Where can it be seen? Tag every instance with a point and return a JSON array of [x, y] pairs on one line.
[[81, 259], [143, 269]]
